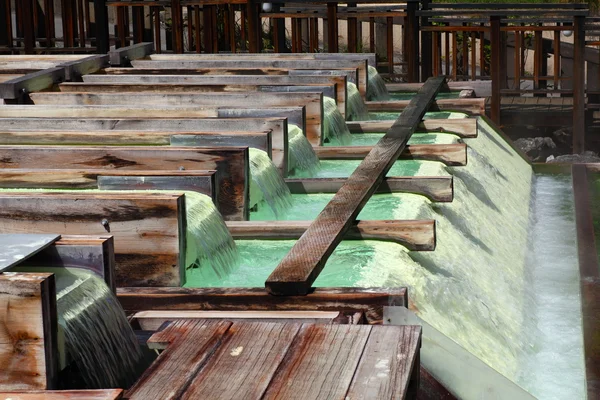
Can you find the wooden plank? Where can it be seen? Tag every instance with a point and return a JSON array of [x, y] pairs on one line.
[[18, 247], [253, 354], [96, 394], [435, 188], [301, 266], [417, 235], [369, 301], [193, 342], [389, 362], [449, 154], [231, 162], [369, 57], [464, 128], [258, 140], [320, 363], [75, 69], [129, 112], [124, 55], [469, 106], [148, 228], [23, 85], [28, 342]]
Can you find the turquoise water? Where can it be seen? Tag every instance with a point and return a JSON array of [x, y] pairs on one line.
[[410, 95], [370, 139], [344, 168], [393, 115]]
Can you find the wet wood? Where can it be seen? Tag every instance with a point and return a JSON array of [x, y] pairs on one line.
[[149, 228], [302, 265], [124, 55], [469, 106], [415, 235], [435, 188], [449, 154], [464, 128], [97, 394], [28, 342], [18, 87], [231, 162], [369, 301], [15, 248]]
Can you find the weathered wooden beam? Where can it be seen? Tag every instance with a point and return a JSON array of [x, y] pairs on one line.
[[302, 265], [75, 69], [474, 106], [88, 394], [464, 128], [369, 57], [449, 154], [16, 88], [124, 55], [435, 188], [28, 338], [414, 235], [371, 301], [128, 112]]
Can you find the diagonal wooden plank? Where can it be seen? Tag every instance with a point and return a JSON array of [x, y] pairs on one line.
[[302, 265], [249, 358], [390, 359], [320, 363]]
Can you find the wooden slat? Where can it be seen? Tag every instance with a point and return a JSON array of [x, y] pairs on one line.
[[301, 266], [470, 106], [75, 69], [449, 154], [435, 188], [464, 128], [252, 356], [320, 363], [96, 394], [369, 57], [390, 360], [415, 235], [194, 342], [124, 112]]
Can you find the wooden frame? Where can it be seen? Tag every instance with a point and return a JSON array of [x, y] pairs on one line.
[[463, 128]]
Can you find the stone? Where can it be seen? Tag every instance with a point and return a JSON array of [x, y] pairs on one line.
[[537, 148], [586, 157]]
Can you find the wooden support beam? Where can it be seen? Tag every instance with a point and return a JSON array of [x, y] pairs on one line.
[[435, 188], [101, 26], [28, 338], [469, 106], [579, 86], [75, 69], [124, 55], [302, 265], [414, 235], [464, 128], [370, 301], [16, 88], [449, 154], [132, 111]]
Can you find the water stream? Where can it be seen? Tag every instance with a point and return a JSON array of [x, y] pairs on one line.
[[335, 128], [266, 182], [376, 90], [301, 155], [356, 106]]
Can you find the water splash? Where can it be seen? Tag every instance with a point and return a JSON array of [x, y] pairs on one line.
[[356, 106], [336, 130], [209, 243], [301, 155], [376, 90], [266, 182]]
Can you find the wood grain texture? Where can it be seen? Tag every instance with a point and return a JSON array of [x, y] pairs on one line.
[[302, 265], [464, 128], [435, 188], [414, 235], [389, 361], [231, 162], [168, 377], [320, 363], [97, 394], [369, 301], [250, 357], [468, 106], [28, 343], [147, 228], [124, 112]]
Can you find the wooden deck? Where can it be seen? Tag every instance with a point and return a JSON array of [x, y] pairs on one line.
[[218, 359], [538, 111]]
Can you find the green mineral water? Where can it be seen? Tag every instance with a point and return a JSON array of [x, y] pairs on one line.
[[301, 155], [376, 90], [356, 106], [335, 128]]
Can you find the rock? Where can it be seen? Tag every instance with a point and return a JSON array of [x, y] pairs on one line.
[[563, 135], [538, 148], [586, 157], [466, 93], [550, 158]]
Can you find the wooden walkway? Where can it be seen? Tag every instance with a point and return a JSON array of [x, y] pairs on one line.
[[537, 111], [218, 359]]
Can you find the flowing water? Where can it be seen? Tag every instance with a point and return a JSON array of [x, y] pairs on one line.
[[356, 106], [376, 90], [336, 131], [301, 155], [266, 182]]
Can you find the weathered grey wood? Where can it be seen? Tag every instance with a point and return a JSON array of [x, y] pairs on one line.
[[468, 106], [301, 266], [18, 247], [88, 394], [415, 235], [124, 55], [75, 69], [449, 154], [464, 128], [128, 112], [351, 74], [23, 85], [435, 188], [260, 141]]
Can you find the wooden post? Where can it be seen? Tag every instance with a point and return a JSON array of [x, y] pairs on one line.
[[412, 41], [101, 26], [495, 67], [579, 86], [253, 26], [28, 26], [426, 46], [177, 26], [352, 32], [279, 32], [332, 28]]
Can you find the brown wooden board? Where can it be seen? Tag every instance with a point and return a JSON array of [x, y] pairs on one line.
[[464, 128], [232, 164], [301, 266], [28, 342], [96, 394], [149, 228]]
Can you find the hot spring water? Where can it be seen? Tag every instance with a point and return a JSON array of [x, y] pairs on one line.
[[266, 182], [356, 106], [376, 89], [301, 155], [335, 128]]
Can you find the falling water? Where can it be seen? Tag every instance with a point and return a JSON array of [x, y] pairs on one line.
[[376, 87], [266, 182], [301, 155], [336, 130], [356, 106]]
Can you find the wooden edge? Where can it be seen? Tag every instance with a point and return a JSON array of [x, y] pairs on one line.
[[75, 69], [258, 140], [589, 278], [87, 394], [469, 106], [449, 154], [417, 235], [435, 188], [18, 87], [124, 55], [464, 128], [368, 300]]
